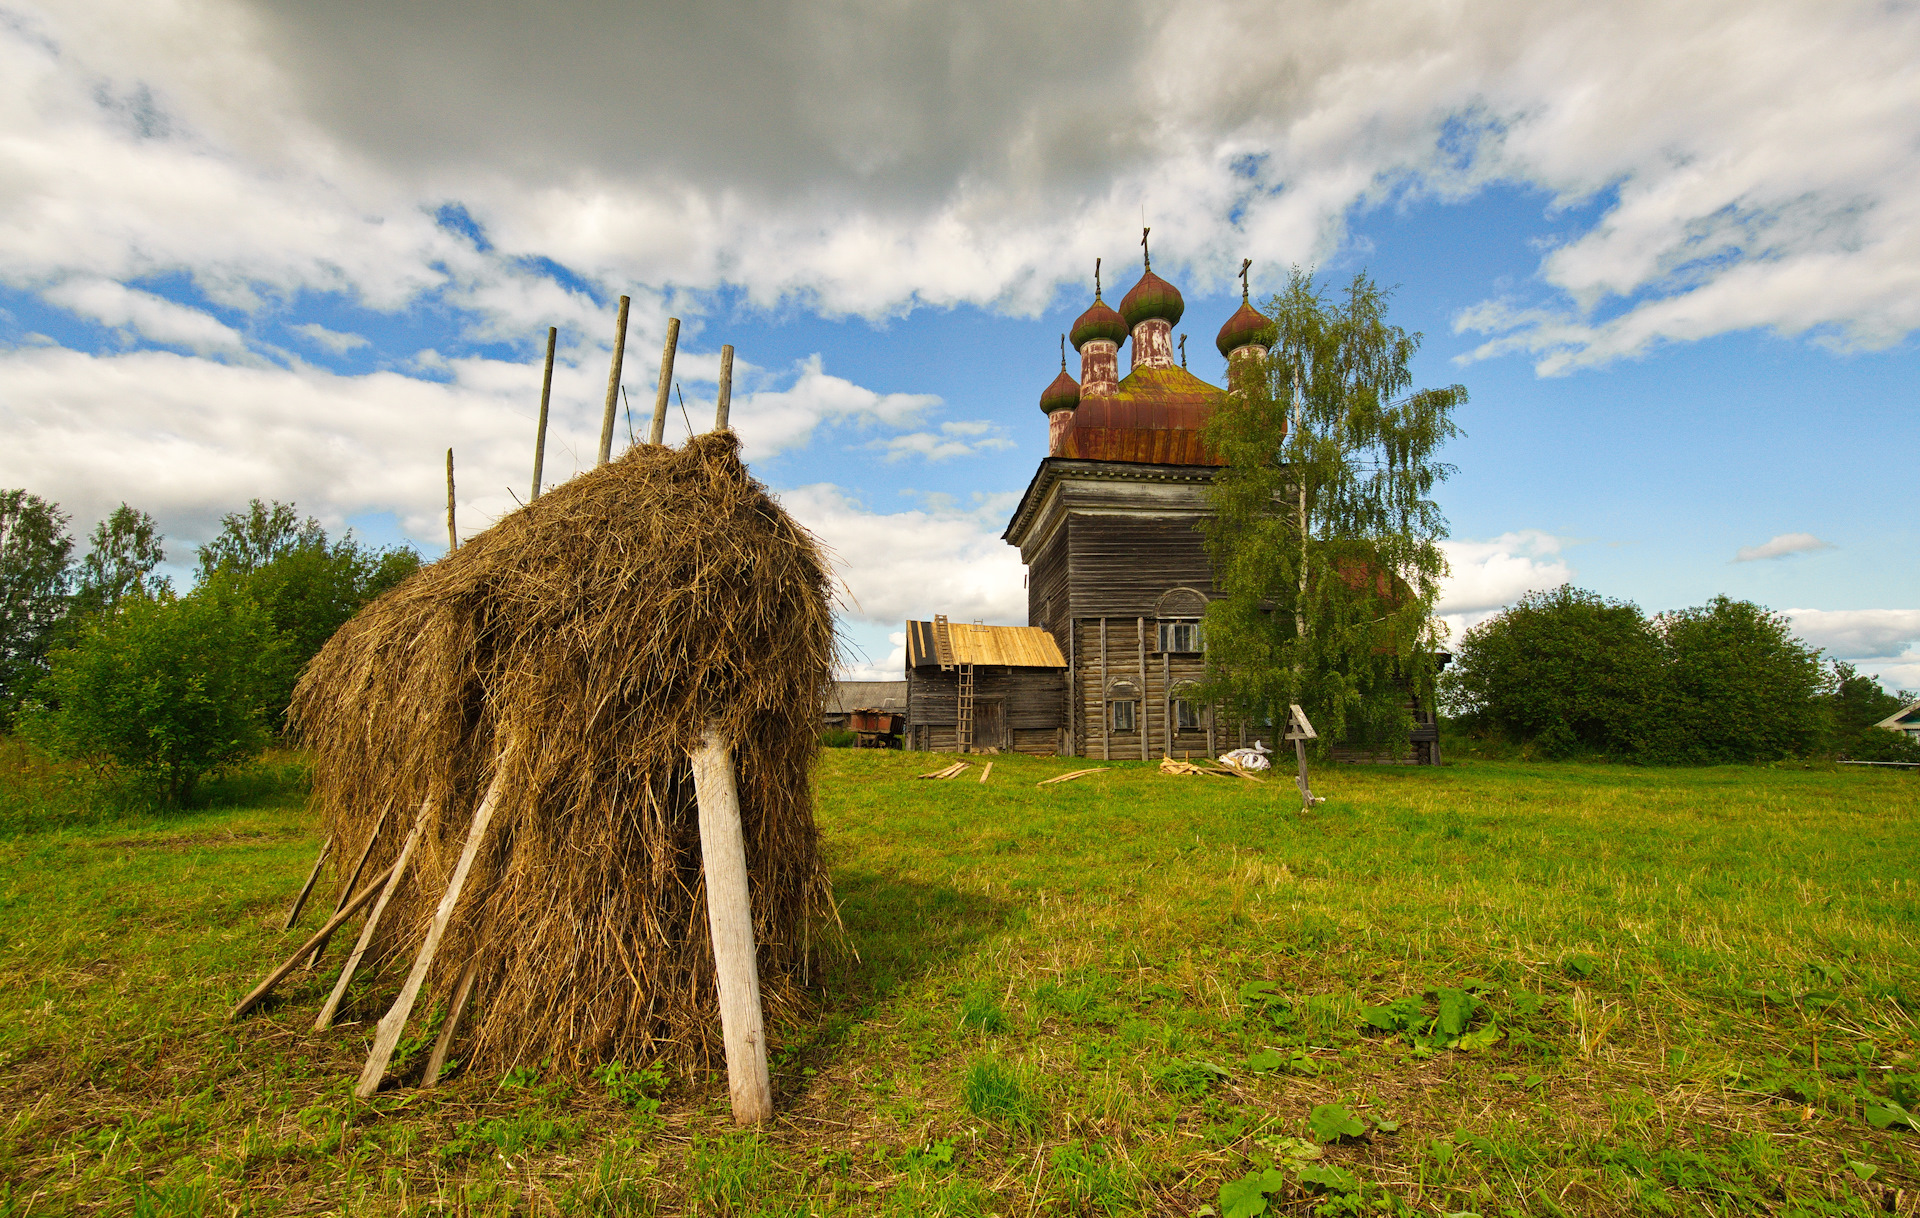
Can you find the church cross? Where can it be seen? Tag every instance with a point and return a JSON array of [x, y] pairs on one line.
[[1146, 253], [1244, 264]]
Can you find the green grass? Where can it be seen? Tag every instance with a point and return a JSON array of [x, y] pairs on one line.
[[1532, 989]]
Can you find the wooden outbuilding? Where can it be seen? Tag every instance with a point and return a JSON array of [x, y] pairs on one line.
[[974, 688]]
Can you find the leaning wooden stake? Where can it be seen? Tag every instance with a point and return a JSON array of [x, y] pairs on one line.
[[613, 381], [347, 970], [1299, 730], [724, 406], [280, 974], [438, 1061], [540, 433], [395, 1022], [723, 854], [659, 431], [300, 902], [347, 889]]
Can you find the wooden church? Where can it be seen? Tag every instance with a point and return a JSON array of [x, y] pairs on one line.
[[1118, 577]]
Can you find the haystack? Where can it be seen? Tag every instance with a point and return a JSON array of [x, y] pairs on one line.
[[569, 659]]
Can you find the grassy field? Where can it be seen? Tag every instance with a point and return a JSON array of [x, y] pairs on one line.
[[1488, 989]]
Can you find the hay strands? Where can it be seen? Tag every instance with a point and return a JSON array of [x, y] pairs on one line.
[[952, 771], [300, 902], [399, 869], [278, 975], [1069, 776], [395, 1021]]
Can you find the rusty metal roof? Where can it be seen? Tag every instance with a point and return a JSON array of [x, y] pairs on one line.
[[1013, 646], [1158, 416]]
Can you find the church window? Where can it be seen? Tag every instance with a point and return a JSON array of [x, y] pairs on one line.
[[1182, 636], [1186, 714], [1122, 715]]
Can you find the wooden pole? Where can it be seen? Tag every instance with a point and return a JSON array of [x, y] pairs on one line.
[[347, 970], [299, 902], [1073, 689], [1146, 688], [438, 1061], [1106, 712], [348, 888], [395, 1021], [723, 855], [666, 382], [724, 408], [613, 381], [540, 433], [453, 538], [280, 974]]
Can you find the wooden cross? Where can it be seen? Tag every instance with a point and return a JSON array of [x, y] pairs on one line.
[[1299, 730]]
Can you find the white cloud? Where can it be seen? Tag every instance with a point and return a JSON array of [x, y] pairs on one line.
[[1753, 161], [772, 420], [1858, 634], [152, 317], [333, 340], [859, 667], [956, 439], [1782, 546], [914, 564], [1484, 577]]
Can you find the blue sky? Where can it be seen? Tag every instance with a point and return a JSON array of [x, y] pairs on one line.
[[1678, 272]]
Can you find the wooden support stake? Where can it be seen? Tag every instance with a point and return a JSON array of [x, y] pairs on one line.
[[723, 855], [613, 381], [658, 434], [453, 538], [347, 889], [300, 902], [438, 1061], [540, 433], [395, 1022], [347, 970], [724, 407], [280, 974]]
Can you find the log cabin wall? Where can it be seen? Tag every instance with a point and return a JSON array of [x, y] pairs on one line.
[[1023, 704]]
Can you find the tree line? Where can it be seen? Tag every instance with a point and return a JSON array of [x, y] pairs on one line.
[[102, 659], [1569, 672]]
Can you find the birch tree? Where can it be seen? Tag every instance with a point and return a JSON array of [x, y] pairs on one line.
[[1325, 532]]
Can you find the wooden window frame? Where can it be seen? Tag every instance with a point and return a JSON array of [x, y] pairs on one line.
[[1165, 636], [1113, 714]]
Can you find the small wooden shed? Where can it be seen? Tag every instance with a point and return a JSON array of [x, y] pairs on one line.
[[973, 688]]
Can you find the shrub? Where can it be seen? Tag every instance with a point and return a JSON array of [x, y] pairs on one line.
[[1566, 671], [169, 689], [1740, 686]]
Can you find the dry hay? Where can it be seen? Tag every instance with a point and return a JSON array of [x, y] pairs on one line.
[[582, 643]]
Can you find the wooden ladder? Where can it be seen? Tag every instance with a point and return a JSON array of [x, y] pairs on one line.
[[964, 725], [942, 642]]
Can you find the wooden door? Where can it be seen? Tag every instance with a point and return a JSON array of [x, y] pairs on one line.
[[989, 724]]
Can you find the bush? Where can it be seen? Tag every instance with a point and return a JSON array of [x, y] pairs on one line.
[[1740, 686], [169, 689], [838, 738], [1564, 671]]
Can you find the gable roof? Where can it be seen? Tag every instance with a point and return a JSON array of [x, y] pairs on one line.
[[1013, 646], [846, 696], [1900, 719]]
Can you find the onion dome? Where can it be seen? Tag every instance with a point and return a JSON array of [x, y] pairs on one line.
[[1099, 321], [1152, 297], [1245, 327], [1063, 394]]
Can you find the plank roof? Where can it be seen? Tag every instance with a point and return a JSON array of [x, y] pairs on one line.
[[1011, 646]]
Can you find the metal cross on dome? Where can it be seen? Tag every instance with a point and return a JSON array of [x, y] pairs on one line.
[[1145, 253], [1244, 264]]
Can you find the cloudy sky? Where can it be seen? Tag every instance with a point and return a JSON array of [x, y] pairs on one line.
[[296, 248]]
